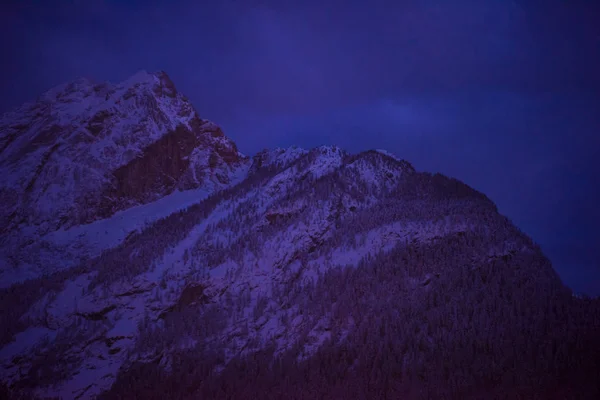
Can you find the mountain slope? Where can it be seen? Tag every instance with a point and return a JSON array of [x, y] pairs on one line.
[[319, 274], [84, 151]]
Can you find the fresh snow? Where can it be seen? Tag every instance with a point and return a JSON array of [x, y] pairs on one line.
[[387, 153], [110, 232], [57, 132], [25, 340], [284, 156], [329, 158]]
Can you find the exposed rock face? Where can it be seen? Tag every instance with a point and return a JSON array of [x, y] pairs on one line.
[[298, 273], [83, 151], [184, 158]]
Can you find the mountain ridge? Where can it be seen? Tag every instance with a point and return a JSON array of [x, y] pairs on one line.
[[84, 151], [304, 273], [91, 140]]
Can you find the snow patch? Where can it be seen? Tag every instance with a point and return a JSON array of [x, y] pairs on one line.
[[110, 232], [327, 160], [387, 153], [24, 341]]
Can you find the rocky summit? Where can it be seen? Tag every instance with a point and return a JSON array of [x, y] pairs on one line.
[[143, 256]]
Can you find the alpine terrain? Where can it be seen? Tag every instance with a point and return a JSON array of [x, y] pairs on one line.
[[143, 256]]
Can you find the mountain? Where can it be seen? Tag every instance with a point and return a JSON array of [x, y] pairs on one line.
[[84, 151], [292, 274]]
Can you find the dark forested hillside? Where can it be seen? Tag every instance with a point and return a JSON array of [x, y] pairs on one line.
[[443, 319], [295, 274]]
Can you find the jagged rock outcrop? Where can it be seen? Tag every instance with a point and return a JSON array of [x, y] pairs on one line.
[[83, 151]]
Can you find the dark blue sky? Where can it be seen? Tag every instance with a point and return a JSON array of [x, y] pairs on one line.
[[504, 95]]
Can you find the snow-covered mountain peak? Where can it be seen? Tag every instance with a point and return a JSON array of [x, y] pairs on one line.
[[387, 153], [80, 86], [331, 150], [141, 77], [326, 159], [83, 150], [278, 157]]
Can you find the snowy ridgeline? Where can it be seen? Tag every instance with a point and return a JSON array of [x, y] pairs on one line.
[[83, 151], [250, 249], [310, 264]]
